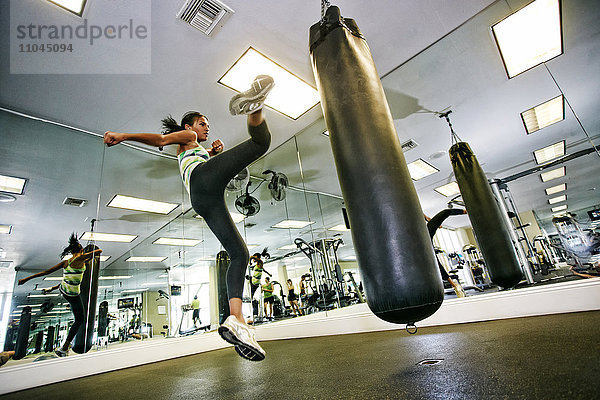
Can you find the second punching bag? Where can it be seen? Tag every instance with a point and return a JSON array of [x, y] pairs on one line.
[[394, 252], [489, 226]]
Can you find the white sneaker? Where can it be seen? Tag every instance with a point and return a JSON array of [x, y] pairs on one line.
[[252, 99], [61, 353], [243, 337]]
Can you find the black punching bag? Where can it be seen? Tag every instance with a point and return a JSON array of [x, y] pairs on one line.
[[89, 294], [396, 260], [23, 334], [486, 218], [223, 299]]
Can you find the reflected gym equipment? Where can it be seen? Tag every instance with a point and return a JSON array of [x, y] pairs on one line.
[[396, 260], [89, 294]]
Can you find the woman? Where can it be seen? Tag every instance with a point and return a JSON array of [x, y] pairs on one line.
[[69, 287], [293, 298], [205, 176], [257, 270]]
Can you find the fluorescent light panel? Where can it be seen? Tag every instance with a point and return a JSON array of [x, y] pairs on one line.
[[529, 36], [553, 174], [146, 259], [74, 6], [137, 204], [107, 237], [176, 242], [292, 224], [114, 277], [291, 96], [288, 247], [44, 295], [557, 199], [419, 169], [559, 208], [12, 184], [5, 229], [449, 189], [544, 115], [339, 228], [549, 152], [252, 246], [556, 189]]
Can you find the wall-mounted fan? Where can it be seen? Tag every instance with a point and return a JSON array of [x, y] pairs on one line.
[[246, 204], [277, 184], [239, 181]]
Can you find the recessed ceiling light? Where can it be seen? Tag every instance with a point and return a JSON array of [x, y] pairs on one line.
[[557, 199], [153, 283], [291, 96], [107, 237], [5, 229], [53, 278], [449, 189], [137, 204], [545, 114], [292, 224], [252, 246], [419, 169], [44, 295], [288, 247], [74, 6], [339, 228], [146, 259], [12, 184], [553, 174], [549, 152], [556, 189], [559, 208], [177, 241], [529, 36], [114, 277]]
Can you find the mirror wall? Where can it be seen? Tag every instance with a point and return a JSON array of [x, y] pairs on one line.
[[148, 288]]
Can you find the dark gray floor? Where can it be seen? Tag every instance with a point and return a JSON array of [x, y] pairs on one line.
[[547, 357]]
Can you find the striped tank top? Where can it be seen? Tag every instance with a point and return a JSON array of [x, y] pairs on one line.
[[72, 279], [190, 159]]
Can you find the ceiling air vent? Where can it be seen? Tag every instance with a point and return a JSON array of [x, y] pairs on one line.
[[205, 15], [71, 201], [5, 264], [409, 145]]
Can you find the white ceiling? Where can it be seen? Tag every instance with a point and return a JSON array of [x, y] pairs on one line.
[[431, 55]]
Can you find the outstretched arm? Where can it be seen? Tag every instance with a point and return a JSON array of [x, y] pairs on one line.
[[87, 256], [51, 289], [151, 139], [58, 266]]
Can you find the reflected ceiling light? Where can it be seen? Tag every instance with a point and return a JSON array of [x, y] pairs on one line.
[[74, 6], [5, 229], [44, 295], [135, 291], [153, 283], [114, 277], [557, 199], [449, 189], [291, 96], [553, 174], [29, 305], [53, 278], [164, 276], [107, 237], [419, 169], [237, 217], [292, 224], [559, 208], [529, 36], [339, 228], [288, 247], [549, 152], [146, 259], [177, 242], [545, 114], [137, 204], [105, 287], [252, 246], [12, 184], [556, 189]]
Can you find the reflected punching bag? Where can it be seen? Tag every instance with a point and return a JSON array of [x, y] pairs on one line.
[[223, 300], [23, 334], [396, 260], [486, 218], [89, 294]]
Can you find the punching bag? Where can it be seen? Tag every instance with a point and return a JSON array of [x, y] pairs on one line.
[[50, 338], [394, 252], [23, 334], [103, 319], [483, 210], [223, 299], [89, 294]]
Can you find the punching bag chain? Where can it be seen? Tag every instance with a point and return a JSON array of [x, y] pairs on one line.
[[455, 138], [324, 6]]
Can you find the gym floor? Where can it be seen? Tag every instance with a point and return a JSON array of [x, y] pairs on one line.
[[545, 357]]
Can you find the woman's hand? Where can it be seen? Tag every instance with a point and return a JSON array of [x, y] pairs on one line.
[[217, 147], [112, 138]]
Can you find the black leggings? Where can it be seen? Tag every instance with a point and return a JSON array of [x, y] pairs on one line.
[[77, 309], [207, 194]]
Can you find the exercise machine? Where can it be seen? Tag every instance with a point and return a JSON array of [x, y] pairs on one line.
[[190, 331]]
